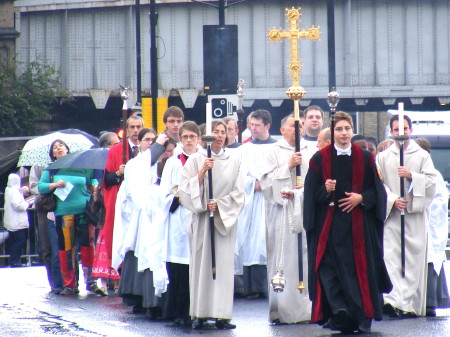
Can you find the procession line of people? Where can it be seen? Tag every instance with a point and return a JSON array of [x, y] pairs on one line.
[[176, 252]]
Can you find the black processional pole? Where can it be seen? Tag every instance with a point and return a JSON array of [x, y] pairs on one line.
[[153, 64], [333, 95], [138, 53], [401, 138], [208, 139], [333, 99]]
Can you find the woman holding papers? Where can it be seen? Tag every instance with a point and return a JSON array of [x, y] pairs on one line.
[[71, 226]]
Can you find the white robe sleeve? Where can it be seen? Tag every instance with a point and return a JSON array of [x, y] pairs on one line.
[[423, 187], [192, 193]]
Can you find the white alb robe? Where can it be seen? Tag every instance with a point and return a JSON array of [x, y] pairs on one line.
[[176, 223], [251, 232], [137, 220], [208, 297], [289, 306], [438, 225], [408, 293]]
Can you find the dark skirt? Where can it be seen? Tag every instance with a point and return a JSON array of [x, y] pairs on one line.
[[437, 290], [136, 288]]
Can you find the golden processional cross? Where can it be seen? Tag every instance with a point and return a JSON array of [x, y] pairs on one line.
[[295, 92]]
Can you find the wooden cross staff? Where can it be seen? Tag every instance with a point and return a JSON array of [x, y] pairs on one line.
[[295, 92]]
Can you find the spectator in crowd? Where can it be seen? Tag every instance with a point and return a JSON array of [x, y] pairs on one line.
[[361, 141], [372, 145], [71, 223], [108, 140], [16, 219]]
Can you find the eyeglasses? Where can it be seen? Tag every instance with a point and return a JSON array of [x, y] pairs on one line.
[[191, 137]]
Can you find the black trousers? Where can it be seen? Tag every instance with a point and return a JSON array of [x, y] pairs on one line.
[[17, 245], [177, 295]]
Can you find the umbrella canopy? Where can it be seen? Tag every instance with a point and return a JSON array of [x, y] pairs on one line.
[[35, 151], [82, 163], [94, 159]]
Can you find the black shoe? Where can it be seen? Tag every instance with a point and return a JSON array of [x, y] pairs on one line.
[[365, 326], [68, 291], [408, 314], [197, 323], [181, 322], [326, 325], [224, 324], [391, 311], [431, 312], [342, 321], [154, 313], [137, 309]]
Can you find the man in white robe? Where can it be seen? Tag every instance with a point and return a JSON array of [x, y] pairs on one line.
[[408, 296], [211, 298], [289, 306], [251, 256], [137, 222], [313, 124]]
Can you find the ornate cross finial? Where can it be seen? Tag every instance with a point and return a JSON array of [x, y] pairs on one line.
[[124, 96], [295, 92]]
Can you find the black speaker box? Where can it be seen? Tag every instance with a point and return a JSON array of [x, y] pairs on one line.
[[220, 59]]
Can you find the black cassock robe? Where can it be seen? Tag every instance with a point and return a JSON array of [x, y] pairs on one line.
[[345, 246]]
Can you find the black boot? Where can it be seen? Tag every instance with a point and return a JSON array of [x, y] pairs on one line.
[[224, 324], [197, 323]]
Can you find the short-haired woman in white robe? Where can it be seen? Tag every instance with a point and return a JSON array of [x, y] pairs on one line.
[[211, 298]]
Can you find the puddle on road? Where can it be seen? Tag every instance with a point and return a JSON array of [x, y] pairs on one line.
[[25, 319]]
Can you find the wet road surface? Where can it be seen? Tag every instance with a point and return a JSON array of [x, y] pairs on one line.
[[28, 309]]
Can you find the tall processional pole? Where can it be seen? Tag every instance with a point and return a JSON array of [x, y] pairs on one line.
[[295, 92], [401, 138]]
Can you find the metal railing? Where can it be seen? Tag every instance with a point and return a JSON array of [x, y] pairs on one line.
[[31, 253]]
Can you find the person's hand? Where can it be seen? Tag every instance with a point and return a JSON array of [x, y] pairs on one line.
[[25, 191], [257, 186], [60, 183], [330, 185], [162, 139], [121, 171], [212, 206], [400, 204], [403, 172], [348, 204], [287, 193], [295, 160], [208, 164]]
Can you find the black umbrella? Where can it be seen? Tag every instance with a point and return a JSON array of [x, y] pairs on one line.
[[82, 161]]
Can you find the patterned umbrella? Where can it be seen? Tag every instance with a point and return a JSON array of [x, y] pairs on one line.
[[35, 151]]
